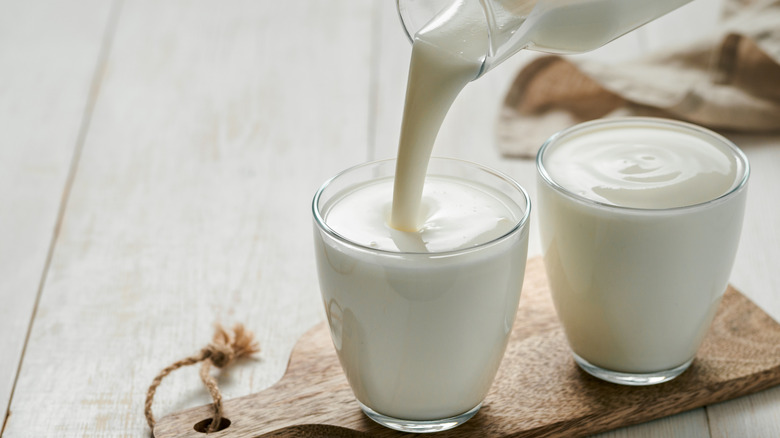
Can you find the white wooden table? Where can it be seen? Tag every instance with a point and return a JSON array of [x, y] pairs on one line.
[[157, 162]]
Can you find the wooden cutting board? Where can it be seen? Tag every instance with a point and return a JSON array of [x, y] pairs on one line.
[[539, 390]]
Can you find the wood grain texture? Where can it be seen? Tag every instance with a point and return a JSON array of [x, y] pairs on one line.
[[210, 134], [538, 391], [48, 58], [209, 116]]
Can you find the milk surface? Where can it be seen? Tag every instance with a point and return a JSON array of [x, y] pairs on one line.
[[643, 166], [454, 214], [636, 288]]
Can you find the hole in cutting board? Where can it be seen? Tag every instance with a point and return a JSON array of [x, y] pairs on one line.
[[203, 425]]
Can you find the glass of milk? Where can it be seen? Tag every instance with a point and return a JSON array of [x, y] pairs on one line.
[[420, 320], [640, 220]]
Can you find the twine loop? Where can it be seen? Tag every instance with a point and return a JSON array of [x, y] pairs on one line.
[[224, 348]]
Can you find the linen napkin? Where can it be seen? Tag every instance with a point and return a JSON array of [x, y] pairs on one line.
[[729, 81]]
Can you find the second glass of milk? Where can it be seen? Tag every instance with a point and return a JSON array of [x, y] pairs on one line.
[[420, 320], [640, 220]]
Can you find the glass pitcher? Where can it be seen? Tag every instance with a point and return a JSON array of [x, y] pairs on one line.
[[554, 26]]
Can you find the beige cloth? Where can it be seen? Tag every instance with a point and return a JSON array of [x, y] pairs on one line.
[[729, 82]]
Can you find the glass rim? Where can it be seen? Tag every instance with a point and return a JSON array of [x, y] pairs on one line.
[[709, 135], [519, 225]]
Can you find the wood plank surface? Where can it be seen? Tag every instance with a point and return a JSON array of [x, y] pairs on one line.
[[213, 125], [538, 392], [49, 53], [212, 129]]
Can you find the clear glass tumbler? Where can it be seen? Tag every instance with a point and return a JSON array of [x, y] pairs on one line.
[[420, 335], [636, 288]]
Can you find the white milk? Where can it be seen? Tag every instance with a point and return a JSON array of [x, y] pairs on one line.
[[415, 337], [455, 214], [446, 55], [420, 333], [642, 166], [637, 264], [575, 26], [451, 50]]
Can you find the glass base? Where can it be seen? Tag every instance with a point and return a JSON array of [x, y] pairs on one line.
[[419, 426], [631, 379]]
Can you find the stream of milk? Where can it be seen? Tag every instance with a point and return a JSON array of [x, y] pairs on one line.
[[451, 50]]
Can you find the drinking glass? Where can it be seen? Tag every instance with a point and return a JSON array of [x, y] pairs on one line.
[[637, 288], [420, 335]]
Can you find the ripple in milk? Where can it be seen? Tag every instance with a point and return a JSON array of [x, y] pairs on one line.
[[454, 214], [642, 166]]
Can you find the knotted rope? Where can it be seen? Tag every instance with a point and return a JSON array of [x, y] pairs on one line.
[[221, 352]]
